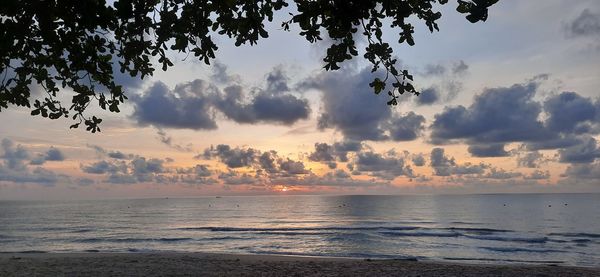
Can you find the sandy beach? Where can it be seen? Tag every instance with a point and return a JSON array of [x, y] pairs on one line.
[[203, 264]]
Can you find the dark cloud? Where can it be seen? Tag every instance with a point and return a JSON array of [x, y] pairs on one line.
[[585, 152], [349, 106], [584, 171], [187, 106], [268, 162], [233, 157], [323, 153], [53, 154], [488, 150], [530, 159], [504, 115], [554, 142], [498, 115], [141, 165], [428, 96], [341, 149], [446, 166], [418, 159], [119, 155], [193, 105], [586, 24], [104, 167], [277, 81], [407, 127], [283, 109], [291, 167], [571, 113], [386, 167]]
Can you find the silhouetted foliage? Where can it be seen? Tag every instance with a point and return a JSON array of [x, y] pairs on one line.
[[73, 43]]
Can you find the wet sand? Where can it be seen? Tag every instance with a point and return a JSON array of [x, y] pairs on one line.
[[204, 264]]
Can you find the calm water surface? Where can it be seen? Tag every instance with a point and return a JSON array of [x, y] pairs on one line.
[[522, 228]]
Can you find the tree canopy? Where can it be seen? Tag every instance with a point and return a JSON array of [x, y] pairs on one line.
[[77, 44]]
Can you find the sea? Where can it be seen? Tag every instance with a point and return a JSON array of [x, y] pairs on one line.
[[560, 229]]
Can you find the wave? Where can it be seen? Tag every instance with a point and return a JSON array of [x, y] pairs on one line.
[[466, 229], [570, 235], [501, 260], [126, 240], [421, 234], [510, 239], [517, 249], [286, 229]]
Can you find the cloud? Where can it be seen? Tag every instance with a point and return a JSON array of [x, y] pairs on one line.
[[446, 166], [585, 152], [447, 87], [53, 154], [277, 81], [220, 74], [418, 159], [460, 67], [188, 106], [291, 167], [584, 171], [14, 156], [14, 169], [428, 96], [119, 155], [349, 106], [194, 105], [510, 114], [571, 113], [264, 106], [233, 157], [501, 174], [269, 161], [488, 150], [38, 175], [530, 159], [586, 24], [323, 153], [434, 70], [387, 166], [104, 167], [498, 115], [338, 151], [168, 141], [407, 127], [236, 178], [538, 175]]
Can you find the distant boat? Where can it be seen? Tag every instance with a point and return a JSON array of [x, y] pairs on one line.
[[218, 197]]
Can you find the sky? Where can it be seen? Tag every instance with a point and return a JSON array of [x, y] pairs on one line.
[[510, 105]]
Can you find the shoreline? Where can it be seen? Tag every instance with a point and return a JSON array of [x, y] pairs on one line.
[[217, 264]]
